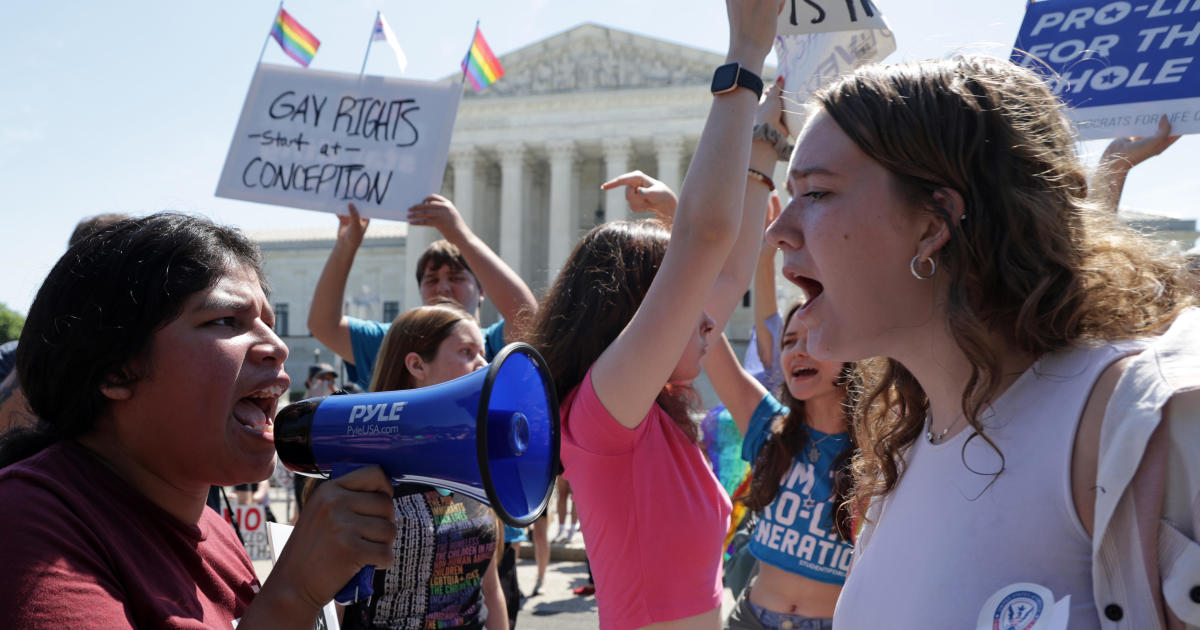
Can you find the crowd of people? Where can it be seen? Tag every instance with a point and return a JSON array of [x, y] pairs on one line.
[[988, 383]]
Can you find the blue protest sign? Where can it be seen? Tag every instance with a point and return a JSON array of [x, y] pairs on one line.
[[1119, 65]]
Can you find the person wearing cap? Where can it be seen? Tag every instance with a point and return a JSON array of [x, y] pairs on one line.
[[322, 380]]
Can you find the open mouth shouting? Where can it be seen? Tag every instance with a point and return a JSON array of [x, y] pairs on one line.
[[256, 411], [810, 287], [800, 372]]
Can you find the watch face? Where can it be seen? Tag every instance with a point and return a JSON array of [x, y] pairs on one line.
[[724, 77]]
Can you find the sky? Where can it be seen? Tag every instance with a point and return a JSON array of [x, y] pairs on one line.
[[130, 106]]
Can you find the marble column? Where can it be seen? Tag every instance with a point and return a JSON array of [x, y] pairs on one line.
[[464, 159], [415, 242], [512, 188], [669, 152], [617, 152], [562, 209]]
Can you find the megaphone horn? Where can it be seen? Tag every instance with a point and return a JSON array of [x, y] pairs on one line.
[[492, 435]]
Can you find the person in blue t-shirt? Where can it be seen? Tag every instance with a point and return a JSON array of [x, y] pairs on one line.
[[461, 267], [800, 448]]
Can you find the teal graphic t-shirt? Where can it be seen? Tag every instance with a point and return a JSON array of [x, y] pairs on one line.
[[795, 532]]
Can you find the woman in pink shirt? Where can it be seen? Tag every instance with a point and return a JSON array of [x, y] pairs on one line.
[[623, 330]]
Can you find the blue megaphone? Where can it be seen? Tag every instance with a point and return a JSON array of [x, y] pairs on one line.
[[492, 435]]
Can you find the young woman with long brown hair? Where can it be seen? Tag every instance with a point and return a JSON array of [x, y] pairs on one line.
[[427, 583], [1040, 361], [623, 330], [800, 449]]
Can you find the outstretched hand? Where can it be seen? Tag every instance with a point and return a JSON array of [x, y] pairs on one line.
[[770, 108], [352, 227], [1131, 151], [645, 194], [439, 212], [752, 27]]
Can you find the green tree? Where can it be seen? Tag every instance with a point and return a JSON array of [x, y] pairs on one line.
[[11, 323]]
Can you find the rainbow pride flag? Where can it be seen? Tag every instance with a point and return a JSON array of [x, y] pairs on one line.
[[295, 40], [480, 66]]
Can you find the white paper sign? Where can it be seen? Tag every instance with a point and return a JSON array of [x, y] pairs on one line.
[[825, 16], [277, 537], [810, 62], [321, 140]]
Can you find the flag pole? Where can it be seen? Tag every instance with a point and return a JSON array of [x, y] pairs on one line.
[[473, 36], [370, 40], [268, 39]]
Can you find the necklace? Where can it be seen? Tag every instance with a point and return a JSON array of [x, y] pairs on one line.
[[813, 452], [934, 438]]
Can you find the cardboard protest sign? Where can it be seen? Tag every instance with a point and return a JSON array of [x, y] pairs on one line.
[[819, 40], [1119, 65], [320, 140], [252, 523]]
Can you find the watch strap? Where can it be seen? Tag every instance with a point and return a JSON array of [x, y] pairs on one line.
[[741, 78]]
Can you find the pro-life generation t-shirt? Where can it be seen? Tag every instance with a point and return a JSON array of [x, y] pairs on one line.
[[795, 532]]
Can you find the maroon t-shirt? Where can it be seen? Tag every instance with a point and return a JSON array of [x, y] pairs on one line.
[[80, 548]]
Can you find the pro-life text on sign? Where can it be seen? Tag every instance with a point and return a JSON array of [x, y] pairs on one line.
[[252, 524], [320, 140], [1119, 65]]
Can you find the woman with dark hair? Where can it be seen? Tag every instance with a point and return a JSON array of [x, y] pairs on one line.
[[623, 330], [800, 451], [1039, 361], [150, 362], [426, 583]]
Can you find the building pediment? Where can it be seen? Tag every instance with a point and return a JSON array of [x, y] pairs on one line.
[[590, 57]]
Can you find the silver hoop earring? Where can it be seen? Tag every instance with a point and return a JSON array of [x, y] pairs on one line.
[[912, 266]]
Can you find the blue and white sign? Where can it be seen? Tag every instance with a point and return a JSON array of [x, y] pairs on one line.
[[1120, 65]]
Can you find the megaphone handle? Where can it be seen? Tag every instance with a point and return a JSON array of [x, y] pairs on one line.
[[359, 588]]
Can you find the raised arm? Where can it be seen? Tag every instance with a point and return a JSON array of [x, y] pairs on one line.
[[739, 266], [646, 195], [738, 390], [1121, 155], [326, 321], [765, 305], [506, 289], [650, 196], [626, 377]]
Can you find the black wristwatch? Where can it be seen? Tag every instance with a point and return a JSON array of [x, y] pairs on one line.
[[731, 76]]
